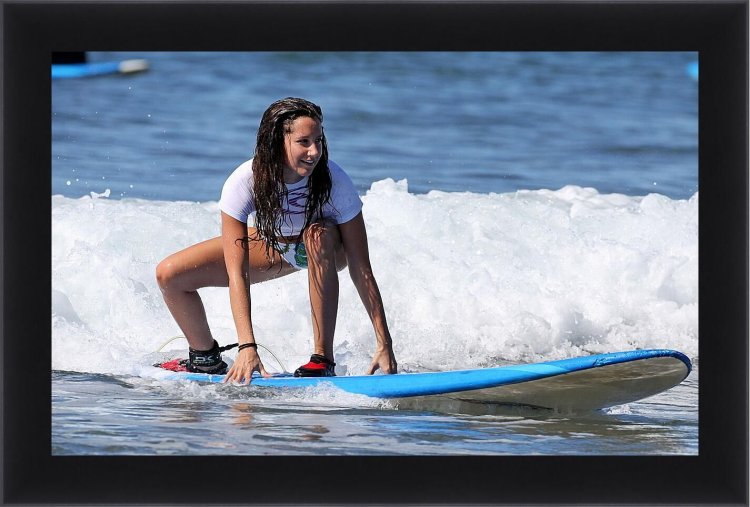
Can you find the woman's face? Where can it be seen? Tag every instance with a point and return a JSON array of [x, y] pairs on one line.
[[304, 146]]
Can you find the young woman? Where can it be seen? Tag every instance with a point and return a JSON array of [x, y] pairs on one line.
[[288, 208]]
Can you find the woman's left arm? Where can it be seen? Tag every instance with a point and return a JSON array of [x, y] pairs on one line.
[[354, 239]]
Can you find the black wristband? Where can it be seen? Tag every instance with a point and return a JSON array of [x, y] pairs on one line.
[[246, 345]]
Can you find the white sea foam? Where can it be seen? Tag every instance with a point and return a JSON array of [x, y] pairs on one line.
[[467, 279]]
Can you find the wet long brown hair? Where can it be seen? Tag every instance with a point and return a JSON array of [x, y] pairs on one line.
[[268, 170]]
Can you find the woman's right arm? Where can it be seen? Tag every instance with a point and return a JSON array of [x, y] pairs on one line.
[[234, 242]]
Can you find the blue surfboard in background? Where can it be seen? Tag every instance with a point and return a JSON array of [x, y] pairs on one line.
[[79, 70]]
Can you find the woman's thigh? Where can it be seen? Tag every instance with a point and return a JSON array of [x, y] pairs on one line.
[[202, 265], [199, 265]]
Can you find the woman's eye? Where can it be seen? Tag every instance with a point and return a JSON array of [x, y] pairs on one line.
[[308, 142]]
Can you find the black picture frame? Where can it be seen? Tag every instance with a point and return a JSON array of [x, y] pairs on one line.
[[717, 30]]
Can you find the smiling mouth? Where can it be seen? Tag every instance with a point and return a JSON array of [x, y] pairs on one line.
[[309, 162]]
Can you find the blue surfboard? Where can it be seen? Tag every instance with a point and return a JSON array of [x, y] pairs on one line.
[[581, 383], [77, 70]]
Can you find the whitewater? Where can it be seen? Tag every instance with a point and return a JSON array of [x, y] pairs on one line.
[[468, 280]]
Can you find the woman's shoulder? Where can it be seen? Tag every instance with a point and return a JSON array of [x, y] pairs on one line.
[[242, 174], [336, 171], [340, 180], [244, 168], [240, 180], [345, 200], [236, 194]]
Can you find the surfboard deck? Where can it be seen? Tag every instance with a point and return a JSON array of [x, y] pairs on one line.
[[576, 384], [76, 70]]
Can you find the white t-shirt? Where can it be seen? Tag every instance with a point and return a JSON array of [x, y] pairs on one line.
[[238, 201]]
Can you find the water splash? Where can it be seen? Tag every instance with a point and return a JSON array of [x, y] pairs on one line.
[[468, 280]]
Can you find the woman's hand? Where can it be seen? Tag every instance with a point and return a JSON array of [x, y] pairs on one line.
[[383, 360], [245, 364]]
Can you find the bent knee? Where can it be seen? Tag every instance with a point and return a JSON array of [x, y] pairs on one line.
[[166, 273], [321, 235], [323, 243], [320, 229]]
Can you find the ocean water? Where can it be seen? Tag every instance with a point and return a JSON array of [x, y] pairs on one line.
[[520, 207]]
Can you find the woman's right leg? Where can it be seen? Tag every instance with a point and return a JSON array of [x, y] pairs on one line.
[[180, 276], [202, 265]]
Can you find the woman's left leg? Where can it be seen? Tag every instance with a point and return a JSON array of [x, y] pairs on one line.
[[325, 258]]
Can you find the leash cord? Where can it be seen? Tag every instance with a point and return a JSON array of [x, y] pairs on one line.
[[225, 348]]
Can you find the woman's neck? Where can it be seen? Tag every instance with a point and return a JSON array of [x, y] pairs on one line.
[[292, 178]]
